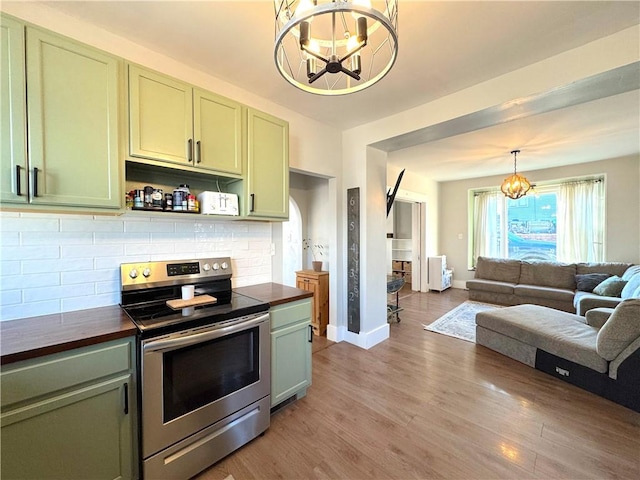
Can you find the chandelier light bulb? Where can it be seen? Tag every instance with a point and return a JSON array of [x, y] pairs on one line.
[[303, 7]]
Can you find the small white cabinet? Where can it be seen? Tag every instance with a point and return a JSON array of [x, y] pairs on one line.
[[439, 275]]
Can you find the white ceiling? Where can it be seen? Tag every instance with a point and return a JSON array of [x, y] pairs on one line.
[[444, 47]]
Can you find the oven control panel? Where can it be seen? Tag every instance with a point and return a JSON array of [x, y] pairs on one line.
[[149, 274]]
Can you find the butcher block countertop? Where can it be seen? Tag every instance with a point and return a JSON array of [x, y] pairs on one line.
[[273, 293], [38, 336]]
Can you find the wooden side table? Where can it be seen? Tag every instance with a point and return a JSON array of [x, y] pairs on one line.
[[318, 283]]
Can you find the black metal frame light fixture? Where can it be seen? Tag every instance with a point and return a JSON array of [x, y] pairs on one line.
[[339, 37], [515, 186]]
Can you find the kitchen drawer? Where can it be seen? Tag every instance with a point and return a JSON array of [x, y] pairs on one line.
[[290, 313], [30, 379]]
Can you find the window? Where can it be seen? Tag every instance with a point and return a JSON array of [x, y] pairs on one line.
[[560, 222]]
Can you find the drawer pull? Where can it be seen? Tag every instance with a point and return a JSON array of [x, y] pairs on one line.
[[310, 333], [126, 399], [253, 199], [18, 191], [35, 181]]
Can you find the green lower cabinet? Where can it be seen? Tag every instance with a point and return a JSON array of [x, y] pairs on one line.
[[83, 431], [291, 338]]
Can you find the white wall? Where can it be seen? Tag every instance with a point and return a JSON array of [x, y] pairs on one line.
[[59, 263], [622, 210]]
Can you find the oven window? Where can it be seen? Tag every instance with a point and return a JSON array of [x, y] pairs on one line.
[[197, 375]]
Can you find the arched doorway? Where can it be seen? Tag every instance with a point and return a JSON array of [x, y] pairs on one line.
[[292, 245]]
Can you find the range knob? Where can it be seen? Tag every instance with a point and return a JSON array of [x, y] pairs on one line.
[[216, 266], [133, 273], [206, 267], [146, 272], [225, 265]]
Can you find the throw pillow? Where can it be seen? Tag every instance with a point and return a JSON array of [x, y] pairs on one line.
[[586, 282], [611, 287]]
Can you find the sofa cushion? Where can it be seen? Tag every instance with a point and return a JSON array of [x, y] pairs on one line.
[[632, 286], [490, 285], [548, 274], [630, 272], [612, 268], [559, 333], [533, 291], [500, 269], [596, 317], [585, 301], [622, 328], [586, 282], [611, 287]]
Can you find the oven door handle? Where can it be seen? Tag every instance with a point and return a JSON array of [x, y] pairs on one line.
[[215, 332]]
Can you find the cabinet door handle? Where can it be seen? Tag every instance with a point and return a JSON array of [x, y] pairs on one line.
[[35, 181], [310, 333], [190, 150], [253, 200], [126, 399], [198, 152], [18, 190]]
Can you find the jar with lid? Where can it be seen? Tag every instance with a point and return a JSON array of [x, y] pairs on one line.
[[180, 196]]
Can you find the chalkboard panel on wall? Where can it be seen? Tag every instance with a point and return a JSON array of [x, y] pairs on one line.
[[353, 260]]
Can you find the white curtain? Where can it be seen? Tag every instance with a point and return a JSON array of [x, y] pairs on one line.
[[486, 220], [580, 222]]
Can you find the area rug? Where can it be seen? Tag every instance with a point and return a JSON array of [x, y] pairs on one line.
[[461, 321]]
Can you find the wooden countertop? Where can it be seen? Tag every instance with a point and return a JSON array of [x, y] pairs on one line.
[[273, 293], [38, 336]]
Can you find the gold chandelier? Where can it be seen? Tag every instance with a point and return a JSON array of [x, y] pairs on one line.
[[515, 186], [335, 47]]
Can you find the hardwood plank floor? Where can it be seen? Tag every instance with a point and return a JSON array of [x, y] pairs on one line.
[[424, 405]]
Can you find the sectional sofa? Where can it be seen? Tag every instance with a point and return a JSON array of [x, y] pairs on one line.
[[550, 284], [597, 349]]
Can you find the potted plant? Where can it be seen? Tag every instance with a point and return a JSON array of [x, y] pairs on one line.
[[317, 251]]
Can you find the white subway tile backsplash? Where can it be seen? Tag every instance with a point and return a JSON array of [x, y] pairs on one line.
[[51, 293], [89, 224], [92, 251], [22, 310], [10, 297], [10, 267], [34, 224], [30, 252], [94, 301], [58, 238], [31, 280], [55, 263]]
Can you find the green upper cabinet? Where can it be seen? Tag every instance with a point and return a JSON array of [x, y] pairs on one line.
[[267, 191], [171, 121], [72, 112], [13, 143]]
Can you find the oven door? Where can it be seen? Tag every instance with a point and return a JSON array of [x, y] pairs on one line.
[[194, 378]]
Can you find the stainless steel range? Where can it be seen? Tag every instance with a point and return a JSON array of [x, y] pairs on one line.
[[204, 364]]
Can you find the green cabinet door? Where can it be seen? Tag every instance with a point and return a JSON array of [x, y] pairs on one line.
[[218, 132], [77, 435], [13, 151], [291, 339], [267, 192], [72, 104], [70, 415], [160, 117]]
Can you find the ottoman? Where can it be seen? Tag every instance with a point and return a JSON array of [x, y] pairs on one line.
[[521, 331]]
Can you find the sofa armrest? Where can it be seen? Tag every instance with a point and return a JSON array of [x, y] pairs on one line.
[[591, 301], [631, 355], [596, 317]]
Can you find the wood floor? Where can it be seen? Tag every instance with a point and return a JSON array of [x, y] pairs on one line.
[[424, 405]]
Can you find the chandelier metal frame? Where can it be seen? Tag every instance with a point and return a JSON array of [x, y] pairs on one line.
[[338, 54], [515, 186]]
